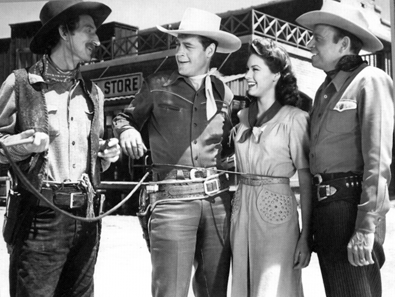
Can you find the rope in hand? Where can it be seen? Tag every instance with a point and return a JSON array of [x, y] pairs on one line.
[[36, 193]]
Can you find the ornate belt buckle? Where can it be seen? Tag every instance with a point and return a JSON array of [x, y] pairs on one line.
[[211, 186], [192, 173], [329, 191]]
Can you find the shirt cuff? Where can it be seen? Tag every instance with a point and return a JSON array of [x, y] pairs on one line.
[[367, 222], [18, 153], [119, 131]]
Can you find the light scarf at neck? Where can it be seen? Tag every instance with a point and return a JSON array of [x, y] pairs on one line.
[[211, 107]]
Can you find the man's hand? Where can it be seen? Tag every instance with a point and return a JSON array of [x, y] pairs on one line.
[[31, 141], [132, 143], [360, 248], [109, 149]]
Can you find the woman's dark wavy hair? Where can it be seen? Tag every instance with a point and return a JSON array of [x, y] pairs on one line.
[[278, 61]]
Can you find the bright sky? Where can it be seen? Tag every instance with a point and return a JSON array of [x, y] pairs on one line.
[[140, 13]]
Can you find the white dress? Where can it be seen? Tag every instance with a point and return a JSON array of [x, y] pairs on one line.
[[264, 224]]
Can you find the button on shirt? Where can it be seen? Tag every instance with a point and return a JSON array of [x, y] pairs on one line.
[[69, 116], [351, 130], [179, 131]]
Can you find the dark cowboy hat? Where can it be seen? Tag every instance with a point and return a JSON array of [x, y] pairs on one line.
[[55, 13]]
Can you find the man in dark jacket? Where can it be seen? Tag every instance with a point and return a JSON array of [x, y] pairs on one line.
[[62, 114], [187, 114], [352, 125]]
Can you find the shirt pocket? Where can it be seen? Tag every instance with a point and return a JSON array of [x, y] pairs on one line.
[[170, 114], [343, 117], [169, 108], [53, 119]]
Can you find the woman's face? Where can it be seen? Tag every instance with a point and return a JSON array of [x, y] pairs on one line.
[[260, 79]]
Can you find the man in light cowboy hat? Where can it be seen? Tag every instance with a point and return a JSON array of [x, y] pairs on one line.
[[51, 104], [186, 111], [351, 148]]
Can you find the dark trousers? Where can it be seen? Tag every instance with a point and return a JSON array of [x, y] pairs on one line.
[[191, 234], [54, 256], [333, 226]]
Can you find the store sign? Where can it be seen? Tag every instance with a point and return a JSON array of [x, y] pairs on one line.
[[122, 85]]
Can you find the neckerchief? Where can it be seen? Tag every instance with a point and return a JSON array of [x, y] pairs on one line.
[[255, 121], [53, 74], [211, 106], [346, 63]]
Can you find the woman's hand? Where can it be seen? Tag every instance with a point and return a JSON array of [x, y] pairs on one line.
[[302, 253]]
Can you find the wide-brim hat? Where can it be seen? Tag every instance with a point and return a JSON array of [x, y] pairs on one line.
[[203, 23], [54, 13], [345, 17]]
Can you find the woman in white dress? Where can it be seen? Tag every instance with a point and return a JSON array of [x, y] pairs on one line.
[[272, 140]]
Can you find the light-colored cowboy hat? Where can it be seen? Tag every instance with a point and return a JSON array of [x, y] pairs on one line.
[[346, 17], [54, 13], [207, 24]]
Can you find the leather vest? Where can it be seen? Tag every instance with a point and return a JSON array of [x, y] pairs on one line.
[[32, 114]]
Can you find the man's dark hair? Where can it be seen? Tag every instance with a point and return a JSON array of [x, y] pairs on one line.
[[53, 37], [356, 43], [205, 41]]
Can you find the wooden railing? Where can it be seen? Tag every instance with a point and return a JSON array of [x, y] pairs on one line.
[[244, 23], [279, 30]]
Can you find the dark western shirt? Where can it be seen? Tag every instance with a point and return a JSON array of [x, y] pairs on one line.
[[179, 132]]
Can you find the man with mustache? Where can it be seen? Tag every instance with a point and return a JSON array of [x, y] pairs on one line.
[[50, 103]]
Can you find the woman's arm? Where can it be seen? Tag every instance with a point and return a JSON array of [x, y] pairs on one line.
[[303, 250]]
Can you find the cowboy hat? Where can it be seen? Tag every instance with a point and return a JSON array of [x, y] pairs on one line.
[[342, 16], [203, 23], [54, 13]]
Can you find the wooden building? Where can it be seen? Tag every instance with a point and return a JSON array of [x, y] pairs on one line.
[[127, 54]]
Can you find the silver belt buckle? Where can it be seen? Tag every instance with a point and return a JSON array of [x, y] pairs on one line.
[[211, 186], [72, 200], [329, 190], [192, 173]]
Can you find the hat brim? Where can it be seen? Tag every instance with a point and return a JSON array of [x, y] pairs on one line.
[[98, 11], [370, 42], [227, 42]]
